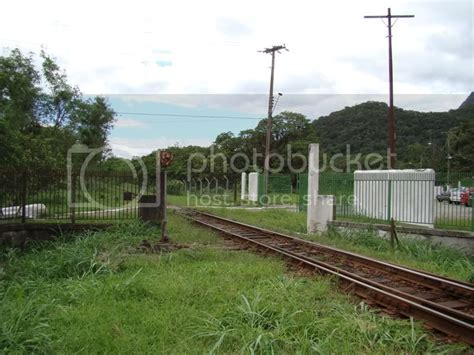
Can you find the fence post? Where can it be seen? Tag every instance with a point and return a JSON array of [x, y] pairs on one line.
[[261, 190], [72, 207], [389, 201], [23, 197], [235, 192], [472, 213], [226, 184]]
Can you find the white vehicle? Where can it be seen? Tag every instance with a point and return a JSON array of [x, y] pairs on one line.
[[456, 195]]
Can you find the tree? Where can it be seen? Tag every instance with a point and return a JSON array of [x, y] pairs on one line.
[[60, 103], [19, 91], [42, 116], [462, 146], [93, 121]]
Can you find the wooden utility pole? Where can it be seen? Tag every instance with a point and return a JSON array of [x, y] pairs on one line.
[[266, 164], [391, 114]]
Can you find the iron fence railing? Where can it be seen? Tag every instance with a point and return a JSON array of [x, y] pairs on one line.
[[59, 196], [27, 196]]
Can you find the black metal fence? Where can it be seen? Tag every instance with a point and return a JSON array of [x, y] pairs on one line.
[[59, 196]]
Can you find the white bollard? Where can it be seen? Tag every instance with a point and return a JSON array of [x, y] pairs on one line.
[[243, 186], [253, 187], [320, 207]]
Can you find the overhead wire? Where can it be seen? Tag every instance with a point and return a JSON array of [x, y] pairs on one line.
[[188, 115]]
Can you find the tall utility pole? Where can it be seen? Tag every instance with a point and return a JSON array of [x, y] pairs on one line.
[[266, 164], [391, 114]]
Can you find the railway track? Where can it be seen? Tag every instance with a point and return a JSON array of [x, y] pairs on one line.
[[443, 304]]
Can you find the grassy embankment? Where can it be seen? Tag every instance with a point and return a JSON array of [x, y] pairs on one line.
[[96, 294]]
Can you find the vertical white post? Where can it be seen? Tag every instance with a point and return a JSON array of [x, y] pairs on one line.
[[253, 187], [320, 207], [313, 187], [243, 187]]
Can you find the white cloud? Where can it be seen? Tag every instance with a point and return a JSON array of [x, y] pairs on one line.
[[112, 46], [336, 56], [128, 148]]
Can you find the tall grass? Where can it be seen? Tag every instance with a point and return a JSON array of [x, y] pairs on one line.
[[94, 293], [268, 323], [28, 280]]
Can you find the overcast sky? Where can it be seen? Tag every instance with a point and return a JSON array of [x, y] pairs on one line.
[[157, 56]]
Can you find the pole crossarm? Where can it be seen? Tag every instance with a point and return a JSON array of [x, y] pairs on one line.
[[274, 49], [392, 16]]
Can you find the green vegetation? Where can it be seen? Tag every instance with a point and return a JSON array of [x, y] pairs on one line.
[[422, 141], [363, 127], [454, 224], [96, 293], [42, 115], [412, 253]]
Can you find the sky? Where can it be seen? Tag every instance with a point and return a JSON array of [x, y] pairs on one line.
[[199, 61]]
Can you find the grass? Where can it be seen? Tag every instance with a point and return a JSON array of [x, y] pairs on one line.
[[418, 254], [456, 224], [95, 294]]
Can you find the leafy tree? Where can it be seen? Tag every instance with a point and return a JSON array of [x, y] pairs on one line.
[[61, 100], [42, 116], [462, 143]]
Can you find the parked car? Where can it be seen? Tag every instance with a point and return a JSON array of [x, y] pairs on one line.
[[455, 196], [466, 196], [444, 196]]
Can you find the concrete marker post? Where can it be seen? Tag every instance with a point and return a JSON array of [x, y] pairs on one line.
[[313, 187], [320, 207]]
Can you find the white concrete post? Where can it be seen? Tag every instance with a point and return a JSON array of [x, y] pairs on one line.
[[243, 187], [313, 187], [253, 187], [320, 207]]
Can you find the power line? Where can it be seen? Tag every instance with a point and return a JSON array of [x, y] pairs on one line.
[[188, 115]]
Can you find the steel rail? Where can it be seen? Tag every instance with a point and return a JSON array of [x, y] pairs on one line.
[[447, 320], [428, 279]]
